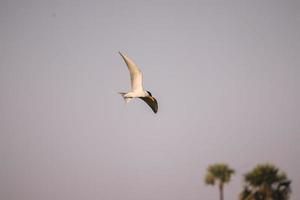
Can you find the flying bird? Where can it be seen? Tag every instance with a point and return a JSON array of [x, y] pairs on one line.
[[137, 90]]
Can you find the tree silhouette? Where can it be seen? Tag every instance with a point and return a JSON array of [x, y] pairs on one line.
[[266, 182], [220, 173]]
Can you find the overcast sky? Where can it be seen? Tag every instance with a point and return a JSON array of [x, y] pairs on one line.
[[225, 74]]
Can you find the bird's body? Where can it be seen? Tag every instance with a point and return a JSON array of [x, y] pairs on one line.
[[137, 90]]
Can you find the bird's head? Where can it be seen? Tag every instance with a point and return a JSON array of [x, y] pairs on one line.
[[149, 93]]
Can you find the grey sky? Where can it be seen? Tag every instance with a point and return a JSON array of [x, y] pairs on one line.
[[225, 73]]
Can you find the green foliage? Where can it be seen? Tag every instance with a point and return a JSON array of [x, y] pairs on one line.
[[210, 179], [264, 174], [218, 172], [266, 181]]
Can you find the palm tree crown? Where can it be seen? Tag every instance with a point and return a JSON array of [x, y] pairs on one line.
[[265, 181], [220, 173]]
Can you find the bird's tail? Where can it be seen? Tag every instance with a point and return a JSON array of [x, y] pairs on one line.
[[126, 99]]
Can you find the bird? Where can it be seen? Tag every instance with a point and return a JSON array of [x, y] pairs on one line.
[[137, 90]]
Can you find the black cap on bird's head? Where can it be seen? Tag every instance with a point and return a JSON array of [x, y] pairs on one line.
[[149, 93]]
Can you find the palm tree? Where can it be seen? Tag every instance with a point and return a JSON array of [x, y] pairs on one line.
[[220, 173], [266, 182]]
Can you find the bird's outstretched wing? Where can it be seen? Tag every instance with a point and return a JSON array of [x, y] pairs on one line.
[[151, 101], [135, 74]]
